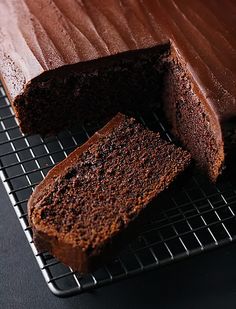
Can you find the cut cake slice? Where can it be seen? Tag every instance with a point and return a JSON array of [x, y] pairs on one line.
[[82, 206]]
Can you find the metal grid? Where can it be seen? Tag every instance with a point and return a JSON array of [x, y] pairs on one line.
[[192, 217]]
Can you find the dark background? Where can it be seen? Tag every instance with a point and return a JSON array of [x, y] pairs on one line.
[[204, 281]]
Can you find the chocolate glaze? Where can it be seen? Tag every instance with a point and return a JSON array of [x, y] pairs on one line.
[[40, 36]]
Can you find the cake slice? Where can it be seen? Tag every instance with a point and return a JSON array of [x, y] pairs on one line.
[[78, 211]]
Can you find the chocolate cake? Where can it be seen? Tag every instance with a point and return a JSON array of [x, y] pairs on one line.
[[83, 58], [85, 203]]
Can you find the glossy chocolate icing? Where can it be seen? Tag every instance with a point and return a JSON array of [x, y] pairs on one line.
[[40, 36]]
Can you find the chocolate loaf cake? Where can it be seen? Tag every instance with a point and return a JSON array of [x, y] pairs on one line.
[[83, 58], [85, 202]]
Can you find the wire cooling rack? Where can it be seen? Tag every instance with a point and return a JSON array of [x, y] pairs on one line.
[[193, 216]]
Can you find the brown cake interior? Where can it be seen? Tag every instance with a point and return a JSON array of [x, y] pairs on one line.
[[130, 82], [126, 83], [191, 122], [99, 189]]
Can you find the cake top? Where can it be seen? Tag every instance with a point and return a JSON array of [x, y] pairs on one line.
[[37, 36], [104, 184]]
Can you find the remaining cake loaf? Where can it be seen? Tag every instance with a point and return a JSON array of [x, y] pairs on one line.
[[90, 59], [85, 202]]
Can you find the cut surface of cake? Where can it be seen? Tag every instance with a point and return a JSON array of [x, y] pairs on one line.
[[88, 200], [91, 59]]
